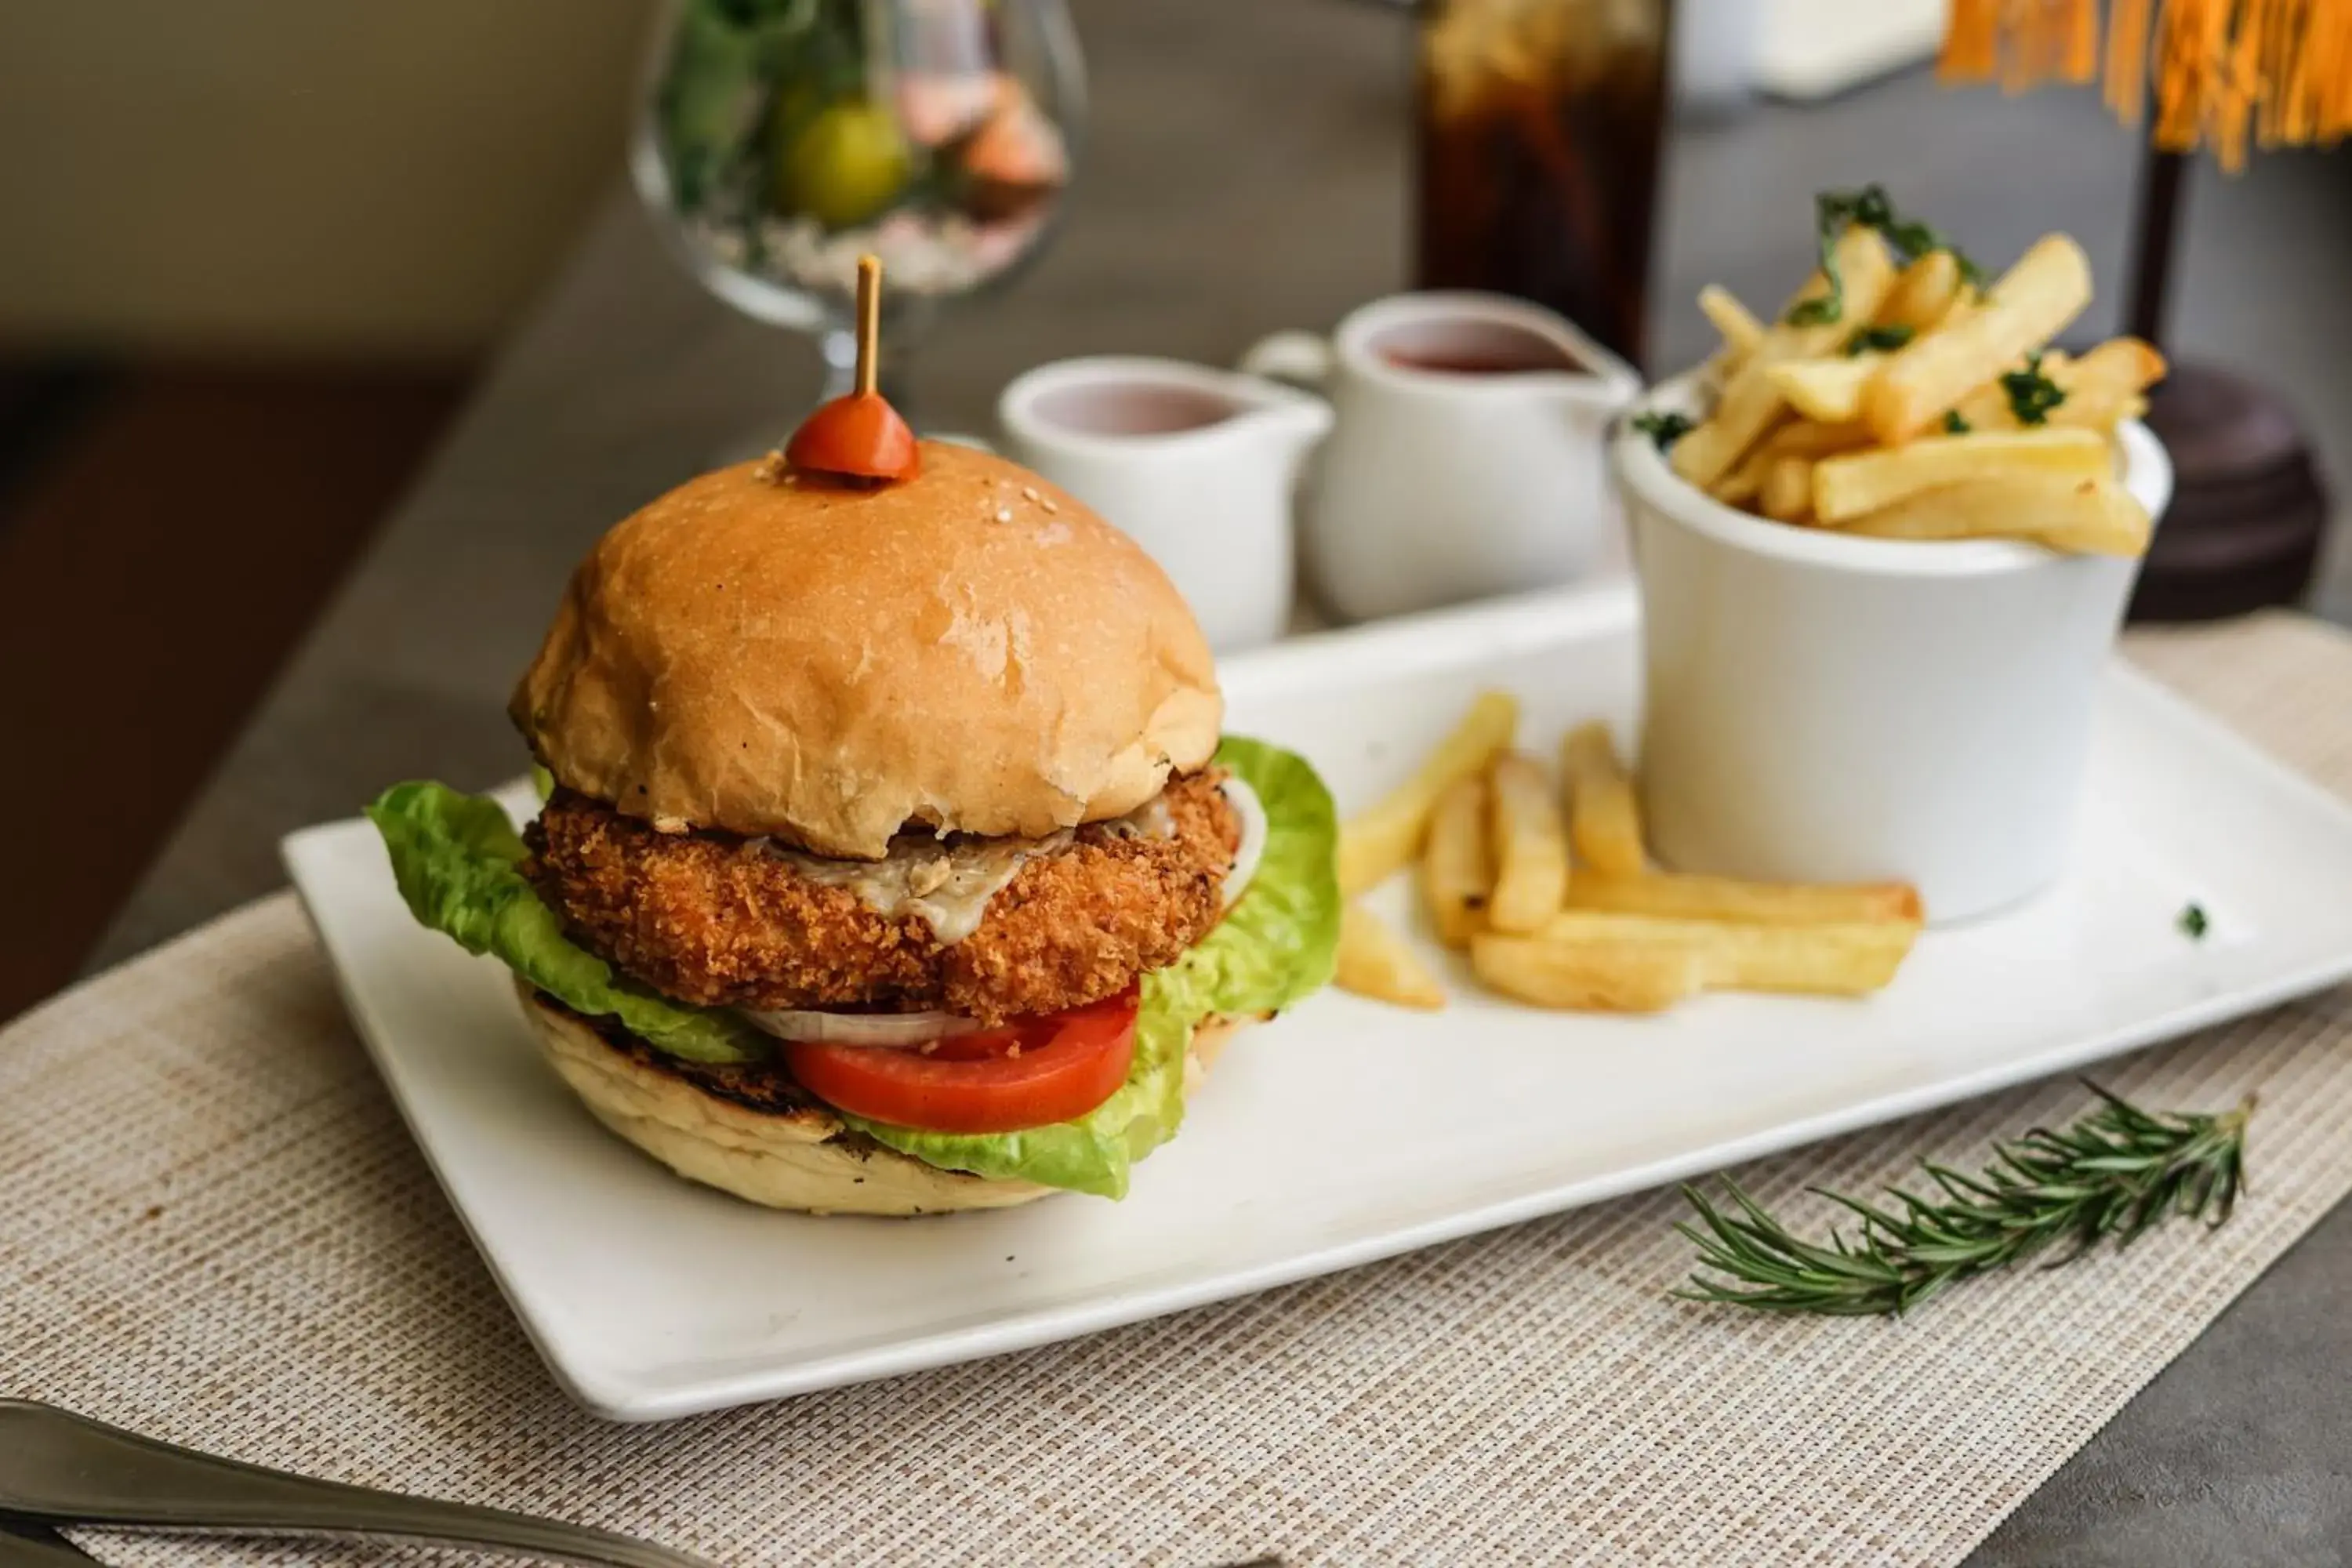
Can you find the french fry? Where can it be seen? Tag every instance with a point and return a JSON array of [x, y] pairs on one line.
[[1744, 483], [1457, 875], [2082, 516], [1965, 303], [1810, 438], [1530, 843], [1785, 438], [1805, 432], [2102, 388], [1679, 896], [1741, 330], [1827, 390], [2119, 362], [1847, 486], [2030, 304], [1385, 839], [1846, 958], [1923, 292], [1788, 494], [1633, 976], [1374, 962], [1604, 822], [1749, 401]]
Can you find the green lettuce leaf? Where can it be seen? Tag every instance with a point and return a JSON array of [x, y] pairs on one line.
[[1273, 947], [456, 857]]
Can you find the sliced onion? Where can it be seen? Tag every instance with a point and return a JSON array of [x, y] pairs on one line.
[[888, 1031], [1246, 805]]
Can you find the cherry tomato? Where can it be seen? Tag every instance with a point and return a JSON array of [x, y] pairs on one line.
[[860, 437], [1031, 1073]]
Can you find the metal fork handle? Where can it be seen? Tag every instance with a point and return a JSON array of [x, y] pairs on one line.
[[67, 1469], [24, 1544]]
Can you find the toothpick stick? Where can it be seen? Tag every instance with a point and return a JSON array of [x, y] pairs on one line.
[[869, 323]]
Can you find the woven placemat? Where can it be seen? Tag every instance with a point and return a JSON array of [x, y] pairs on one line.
[[217, 1231]]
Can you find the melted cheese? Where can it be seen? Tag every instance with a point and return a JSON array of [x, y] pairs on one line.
[[949, 881]]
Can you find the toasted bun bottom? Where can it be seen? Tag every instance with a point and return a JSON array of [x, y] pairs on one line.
[[803, 1159]]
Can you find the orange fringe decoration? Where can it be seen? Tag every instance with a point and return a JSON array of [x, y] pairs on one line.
[[2231, 74]]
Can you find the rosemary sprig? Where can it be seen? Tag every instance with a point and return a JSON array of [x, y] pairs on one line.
[[2110, 1176]]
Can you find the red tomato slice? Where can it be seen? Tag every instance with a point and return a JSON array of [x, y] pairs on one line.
[[993, 1045], [1065, 1064]]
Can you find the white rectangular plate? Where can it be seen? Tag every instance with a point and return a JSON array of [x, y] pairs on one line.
[[1347, 1131]]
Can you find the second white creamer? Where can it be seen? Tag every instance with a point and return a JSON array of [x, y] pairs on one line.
[[1467, 458]]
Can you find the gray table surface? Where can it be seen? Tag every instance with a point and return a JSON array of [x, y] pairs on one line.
[[1247, 170]]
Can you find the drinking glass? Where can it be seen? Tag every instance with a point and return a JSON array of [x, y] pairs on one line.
[[779, 139], [1540, 124]]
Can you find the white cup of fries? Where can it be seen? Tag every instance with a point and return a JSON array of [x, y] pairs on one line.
[[1887, 669]]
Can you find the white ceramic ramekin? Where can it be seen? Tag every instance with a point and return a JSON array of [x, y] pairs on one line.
[[1819, 707]]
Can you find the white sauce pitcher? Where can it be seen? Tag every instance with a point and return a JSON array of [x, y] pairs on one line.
[[1468, 456], [1198, 466]]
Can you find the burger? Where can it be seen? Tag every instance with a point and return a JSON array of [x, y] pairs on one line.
[[889, 857]]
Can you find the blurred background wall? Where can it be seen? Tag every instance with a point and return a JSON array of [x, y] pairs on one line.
[[251, 253], [311, 178]]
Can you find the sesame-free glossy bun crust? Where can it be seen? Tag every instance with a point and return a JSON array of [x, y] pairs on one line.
[[973, 649]]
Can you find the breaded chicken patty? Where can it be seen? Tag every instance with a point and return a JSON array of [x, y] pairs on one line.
[[721, 921]]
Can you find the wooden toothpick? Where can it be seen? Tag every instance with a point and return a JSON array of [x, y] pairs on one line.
[[858, 436], [869, 323]]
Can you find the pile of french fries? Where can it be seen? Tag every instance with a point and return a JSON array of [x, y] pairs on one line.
[[1549, 890], [1971, 426]]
